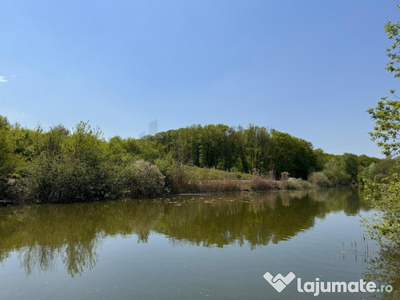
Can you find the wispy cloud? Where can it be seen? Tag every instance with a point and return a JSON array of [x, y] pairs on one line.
[[3, 79]]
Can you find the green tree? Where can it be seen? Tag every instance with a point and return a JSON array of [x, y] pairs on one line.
[[386, 113], [386, 196], [387, 125], [320, 157], [336, 173], [366, 161], [9, 159], [290, 154], [350, 165], [5, 148]]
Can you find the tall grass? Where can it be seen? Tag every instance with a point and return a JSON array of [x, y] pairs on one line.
[[259, 183], [182, 178]]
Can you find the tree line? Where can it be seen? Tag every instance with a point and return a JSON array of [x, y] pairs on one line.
[[79, 164], [239, 149]]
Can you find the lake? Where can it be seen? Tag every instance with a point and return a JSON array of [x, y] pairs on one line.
[[215, 246]]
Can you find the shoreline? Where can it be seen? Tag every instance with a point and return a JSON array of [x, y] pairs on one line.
[[207, 187]]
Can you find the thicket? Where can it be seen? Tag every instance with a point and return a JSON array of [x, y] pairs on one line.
[[62, 165]]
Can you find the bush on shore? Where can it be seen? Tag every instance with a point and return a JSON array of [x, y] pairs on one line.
[[143, 180], [76, 167], [297, 184], [319, 179], [257, 183]]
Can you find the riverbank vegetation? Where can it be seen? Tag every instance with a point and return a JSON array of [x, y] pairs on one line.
[[383, 189], [62, 165]]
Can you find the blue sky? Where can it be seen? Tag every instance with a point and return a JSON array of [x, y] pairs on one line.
[[310, 68]]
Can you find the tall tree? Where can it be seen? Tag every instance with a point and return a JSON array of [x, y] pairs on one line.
[[385, 196], [386, 113]]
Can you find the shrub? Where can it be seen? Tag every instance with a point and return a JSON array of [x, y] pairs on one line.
[[259, 184], [338, 177], [319, 179], [242, 176], [66, 179], [336, 172], [183, 178], [297, 184], [214, 174], [384, 197], [143, 179], [20, 192], [379, 178]]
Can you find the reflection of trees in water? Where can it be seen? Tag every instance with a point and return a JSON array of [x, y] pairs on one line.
[[72, 233], [43, 234], [38, 256], [4, 255], [76, 257], [385, 269]]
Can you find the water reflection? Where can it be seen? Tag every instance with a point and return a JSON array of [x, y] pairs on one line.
[[42, 235], [385, 269]]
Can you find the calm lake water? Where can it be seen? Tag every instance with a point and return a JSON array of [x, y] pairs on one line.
[[191, 247]]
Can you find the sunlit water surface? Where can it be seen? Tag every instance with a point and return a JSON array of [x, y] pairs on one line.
[[191, 247]]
